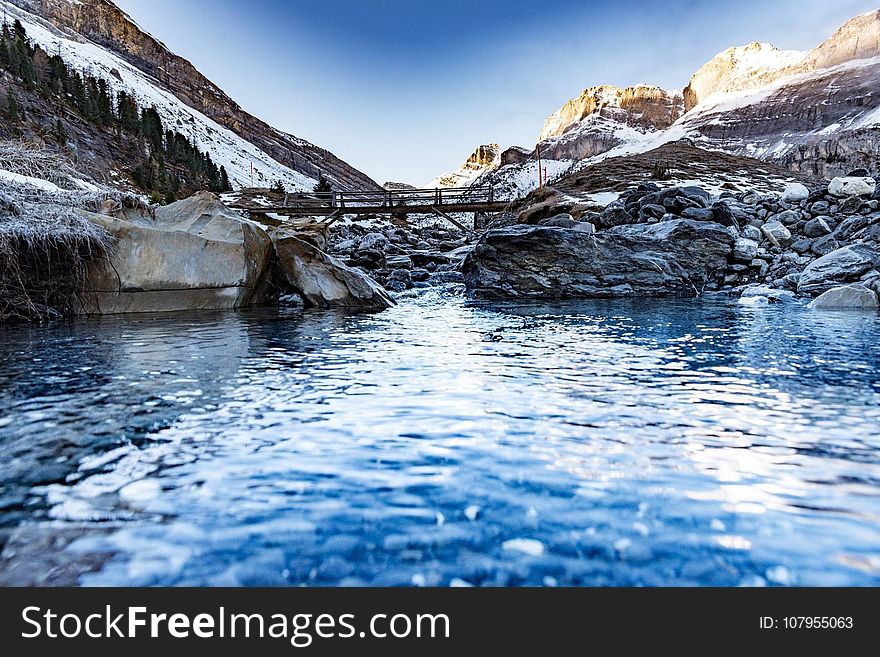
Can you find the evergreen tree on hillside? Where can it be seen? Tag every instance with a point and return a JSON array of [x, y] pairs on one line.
[[60, 133], [323, 185], [12, 111], [170, 164]]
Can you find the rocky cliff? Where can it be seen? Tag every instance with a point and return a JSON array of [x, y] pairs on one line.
[[103, 23], [484, 158], [816, 112], [641, 106]]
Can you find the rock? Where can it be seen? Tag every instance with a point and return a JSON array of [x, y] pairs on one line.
[[745, 250], [849, 297], [858, 173], [795, 193], [752, 233], [669, 258], [398, 262], [845, 186], [786, 217], [838, 267], [820, 208], [697, 214], [817, 227], [322, 280], [373, 241], [566, 221], [194, 254], [771, 294], [778, 234]]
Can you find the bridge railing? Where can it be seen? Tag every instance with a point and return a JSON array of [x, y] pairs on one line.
[[392, 197]]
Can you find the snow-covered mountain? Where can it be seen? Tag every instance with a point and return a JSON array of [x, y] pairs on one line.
[[816, 111], [98, 37], [485, 157]]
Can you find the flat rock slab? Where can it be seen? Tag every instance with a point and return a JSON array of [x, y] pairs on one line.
[[669, 258]]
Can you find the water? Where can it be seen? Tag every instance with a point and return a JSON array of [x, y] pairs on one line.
[[445, 442]]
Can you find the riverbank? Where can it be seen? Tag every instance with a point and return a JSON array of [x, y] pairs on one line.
[[74, 247]]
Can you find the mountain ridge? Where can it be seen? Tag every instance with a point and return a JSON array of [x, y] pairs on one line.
[[814, 111], [109, 27]]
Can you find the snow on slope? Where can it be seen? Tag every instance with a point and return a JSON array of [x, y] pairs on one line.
[[225, 147], [514, 181], [740, 68]]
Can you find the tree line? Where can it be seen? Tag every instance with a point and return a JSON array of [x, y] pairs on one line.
[[170, 164]]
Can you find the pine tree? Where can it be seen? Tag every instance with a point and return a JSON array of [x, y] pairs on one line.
[[12, 111], [278, 187], [60, 133], [224, 180], [323, 185]]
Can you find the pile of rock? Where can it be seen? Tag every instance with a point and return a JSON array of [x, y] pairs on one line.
[[802, 241], [401, 257]]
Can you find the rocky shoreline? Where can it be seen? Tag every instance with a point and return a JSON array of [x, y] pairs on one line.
[[652, 241], [817, 246]]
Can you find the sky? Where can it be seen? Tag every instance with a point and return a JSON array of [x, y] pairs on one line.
[[405, 91]]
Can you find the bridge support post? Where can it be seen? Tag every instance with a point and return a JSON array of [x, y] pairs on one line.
[[454, 222]]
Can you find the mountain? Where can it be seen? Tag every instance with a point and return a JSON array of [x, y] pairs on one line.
[[816, 112], [97, 36], [484, 158]]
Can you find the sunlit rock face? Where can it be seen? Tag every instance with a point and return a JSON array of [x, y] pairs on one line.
[[484, 158], [641, 106], [816, 112], [739, 69], [758, 64]]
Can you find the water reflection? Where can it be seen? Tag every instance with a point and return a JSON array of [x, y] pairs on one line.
[[636, 442]]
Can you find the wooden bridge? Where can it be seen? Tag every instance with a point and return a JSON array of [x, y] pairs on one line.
[[396, 202]]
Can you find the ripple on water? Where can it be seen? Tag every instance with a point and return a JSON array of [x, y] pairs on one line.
[[445, 442]]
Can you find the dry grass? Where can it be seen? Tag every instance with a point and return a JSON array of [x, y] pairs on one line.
[[45, 241]]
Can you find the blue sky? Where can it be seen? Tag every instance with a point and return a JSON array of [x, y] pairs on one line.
[[405, 90]]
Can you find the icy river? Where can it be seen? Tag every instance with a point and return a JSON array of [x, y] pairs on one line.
[[445, 442]]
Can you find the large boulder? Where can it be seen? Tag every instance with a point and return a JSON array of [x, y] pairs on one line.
[[845, 186], [795, 192], [669, 258], [193, 254], [846, 297], [322, 280], [839, 267]]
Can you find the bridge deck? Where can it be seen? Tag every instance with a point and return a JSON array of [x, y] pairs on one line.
[[400, 202]]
